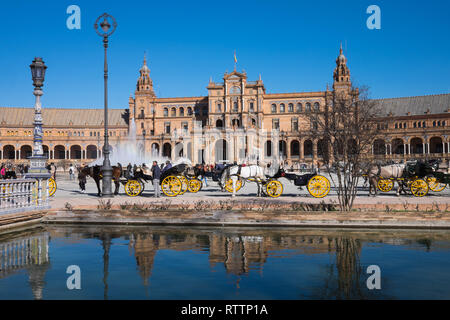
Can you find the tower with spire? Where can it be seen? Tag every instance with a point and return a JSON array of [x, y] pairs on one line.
[[341, 76], [145, 84]]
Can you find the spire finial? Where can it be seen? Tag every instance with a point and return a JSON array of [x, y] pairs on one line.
[[145, 58], [340, 50]]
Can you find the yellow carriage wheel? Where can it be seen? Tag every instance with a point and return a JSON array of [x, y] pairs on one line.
[[171, 186], [274, 188], [51, 187], [385, 185], [229, 185], [434, 185], [318, 186], [184, 184], [419, 188], [133, 188], [194, 185]]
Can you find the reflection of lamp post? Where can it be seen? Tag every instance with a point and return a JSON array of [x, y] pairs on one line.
[[105, 31]]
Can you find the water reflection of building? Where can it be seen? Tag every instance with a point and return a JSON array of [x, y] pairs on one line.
[[238, 254], [28, 253]]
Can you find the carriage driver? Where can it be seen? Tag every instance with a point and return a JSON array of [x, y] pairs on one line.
[[156, 173]]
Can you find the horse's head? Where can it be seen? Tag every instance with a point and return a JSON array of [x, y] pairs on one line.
[[82, 174]]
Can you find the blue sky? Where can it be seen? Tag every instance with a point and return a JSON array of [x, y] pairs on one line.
[[292, 44]]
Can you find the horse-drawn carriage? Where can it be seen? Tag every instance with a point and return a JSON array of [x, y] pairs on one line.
[[418, 176], [174, 181], [318, 186]]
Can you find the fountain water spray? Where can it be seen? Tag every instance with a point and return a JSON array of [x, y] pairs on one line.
[[131, 151]]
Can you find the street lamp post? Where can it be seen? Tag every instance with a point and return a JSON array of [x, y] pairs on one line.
[[38, 168], [105, 31]]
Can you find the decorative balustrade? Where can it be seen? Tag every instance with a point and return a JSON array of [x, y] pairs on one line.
[[20, 253], [23, 195]]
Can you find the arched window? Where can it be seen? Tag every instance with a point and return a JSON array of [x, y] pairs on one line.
[[274, 108], [235, 90], [181, 112], [316, 106], [166, 112], [235, 106], [189, 111], [173, 112], [219, 107], [282, 108], [299, 107], [251, 107], [308, 107], [290, 107]]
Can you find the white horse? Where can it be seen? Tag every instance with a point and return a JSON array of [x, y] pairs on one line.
[[248, 172], [392, 171]]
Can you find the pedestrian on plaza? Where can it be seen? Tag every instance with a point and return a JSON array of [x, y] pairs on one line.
[[3, 171], [156, 174], [53, 170], [71, 172], [205, 169]]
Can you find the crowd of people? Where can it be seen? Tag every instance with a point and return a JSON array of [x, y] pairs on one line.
[[10, 171]]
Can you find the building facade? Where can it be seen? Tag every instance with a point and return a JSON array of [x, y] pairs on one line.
[[236, 121]]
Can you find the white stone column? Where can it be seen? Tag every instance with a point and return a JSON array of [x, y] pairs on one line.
[[423, 148]]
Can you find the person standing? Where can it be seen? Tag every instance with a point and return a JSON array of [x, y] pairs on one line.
[[3, 171], [71, 172], [205, 170], [156, 174]]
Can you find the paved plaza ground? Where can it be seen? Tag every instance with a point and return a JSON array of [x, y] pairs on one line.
[[69, 191]]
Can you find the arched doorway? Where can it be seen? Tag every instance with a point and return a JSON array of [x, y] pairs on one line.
[[321, 148], [75, 152], [91, 152], [398, 147], [59, 152], [45, 150], [25, 152], [9, 152], [436, 145], [221, 150], [219, 123], [379, 147], [295, 148], [416, 145], [308, 148], [167, 150]]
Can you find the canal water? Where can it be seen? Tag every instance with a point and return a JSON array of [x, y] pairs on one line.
[[223, 263]]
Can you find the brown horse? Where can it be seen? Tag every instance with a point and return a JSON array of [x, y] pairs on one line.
[[96, 173]]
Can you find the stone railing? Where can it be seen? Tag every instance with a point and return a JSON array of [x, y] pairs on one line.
[[18, 195]]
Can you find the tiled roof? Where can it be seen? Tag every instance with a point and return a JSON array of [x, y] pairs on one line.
[[63, 117], [420, 105]]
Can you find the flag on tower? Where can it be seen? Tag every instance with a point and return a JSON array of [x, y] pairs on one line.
[[235, 59]]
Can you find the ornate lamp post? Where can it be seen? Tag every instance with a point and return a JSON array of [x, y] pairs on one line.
[[38, 159], [105, 31]]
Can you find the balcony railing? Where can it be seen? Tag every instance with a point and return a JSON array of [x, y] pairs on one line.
[[23, 195]]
